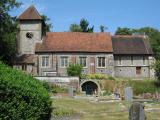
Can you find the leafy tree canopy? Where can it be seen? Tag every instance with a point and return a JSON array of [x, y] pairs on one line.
[[83, 26], [8, 30], [103, 28], [47, 26], [123, 31], [75, 28]]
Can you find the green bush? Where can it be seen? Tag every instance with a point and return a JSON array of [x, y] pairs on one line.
[[157, 70], [74, 70], [143, 86], [58, 89], [94, 76], [111, 78], [22, 97]]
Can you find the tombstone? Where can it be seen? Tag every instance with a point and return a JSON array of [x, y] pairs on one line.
[[136, 112], [128, 94], [116, 95], [71, 91]]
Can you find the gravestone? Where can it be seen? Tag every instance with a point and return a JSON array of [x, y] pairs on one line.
[[116, 95], [128, 94], [71, 91], [136, 112]]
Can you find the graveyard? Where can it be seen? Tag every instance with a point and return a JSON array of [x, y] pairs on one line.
[[70, 105], [90, 109]]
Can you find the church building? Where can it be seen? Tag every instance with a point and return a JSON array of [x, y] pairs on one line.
[[102, 53]]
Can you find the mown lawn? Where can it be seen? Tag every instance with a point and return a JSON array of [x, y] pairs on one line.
[[98, 111]]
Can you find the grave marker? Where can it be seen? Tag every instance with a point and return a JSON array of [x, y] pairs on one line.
[[136, 112], [71, 91], [128, 94]]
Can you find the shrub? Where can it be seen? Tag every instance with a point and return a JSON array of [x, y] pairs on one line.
[[58, 89], [144, 86], [109, 85], [157, 70], [111, 78], [94, 76], [74, 70], [139, 86], [22, 97]]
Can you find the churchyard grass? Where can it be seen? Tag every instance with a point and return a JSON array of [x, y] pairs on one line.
[[89, 110]]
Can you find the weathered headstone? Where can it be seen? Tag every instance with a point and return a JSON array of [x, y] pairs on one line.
[[71, 91], [136, 112], [116, 95], [128, 94]]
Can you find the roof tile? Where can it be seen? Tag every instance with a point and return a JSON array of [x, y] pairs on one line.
[[30, 14], [75, 42], [131, 45]]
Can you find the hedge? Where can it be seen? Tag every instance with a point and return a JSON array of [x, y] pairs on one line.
[[22, 97]]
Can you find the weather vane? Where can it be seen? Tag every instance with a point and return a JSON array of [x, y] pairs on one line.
[[32, 1]]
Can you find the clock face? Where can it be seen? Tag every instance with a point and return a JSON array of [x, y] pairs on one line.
[[29, 35]]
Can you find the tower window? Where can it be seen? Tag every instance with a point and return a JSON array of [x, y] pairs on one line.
[[29, 35]]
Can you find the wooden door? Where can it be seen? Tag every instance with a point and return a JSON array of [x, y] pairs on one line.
[[92, 65], [138, 70]]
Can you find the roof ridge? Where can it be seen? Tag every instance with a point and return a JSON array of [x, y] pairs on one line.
[[128, 36], [30, 13]]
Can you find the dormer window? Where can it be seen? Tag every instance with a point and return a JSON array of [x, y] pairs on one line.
[[29, 35]]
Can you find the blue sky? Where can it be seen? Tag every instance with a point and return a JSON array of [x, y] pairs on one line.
[[111, 13]]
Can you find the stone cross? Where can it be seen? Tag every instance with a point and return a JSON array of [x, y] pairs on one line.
[[128, 94], [136, 112]]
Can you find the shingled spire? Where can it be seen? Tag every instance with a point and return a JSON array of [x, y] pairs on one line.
[[30, 14]]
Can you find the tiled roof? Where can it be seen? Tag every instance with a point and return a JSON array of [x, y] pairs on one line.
[[75, 42], [30, 14], [123, 44]]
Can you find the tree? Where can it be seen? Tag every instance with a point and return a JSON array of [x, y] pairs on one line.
[[75, 28], [102, 28], [123, 31], [47, 26], [157, 70], [74, 70], [154, 37], [8, 30], [83, 26]]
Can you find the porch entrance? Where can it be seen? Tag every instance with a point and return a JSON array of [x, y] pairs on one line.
[[90, 87]]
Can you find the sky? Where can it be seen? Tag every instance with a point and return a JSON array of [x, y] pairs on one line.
[[110, 13]]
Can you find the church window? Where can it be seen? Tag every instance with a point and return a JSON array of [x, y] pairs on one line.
[[101, 62], [64, 61], [45, 61], [83, 61]]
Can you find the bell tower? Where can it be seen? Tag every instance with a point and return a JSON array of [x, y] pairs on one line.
[[30, 31]]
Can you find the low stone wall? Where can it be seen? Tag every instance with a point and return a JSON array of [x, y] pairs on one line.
[[61, 81]]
